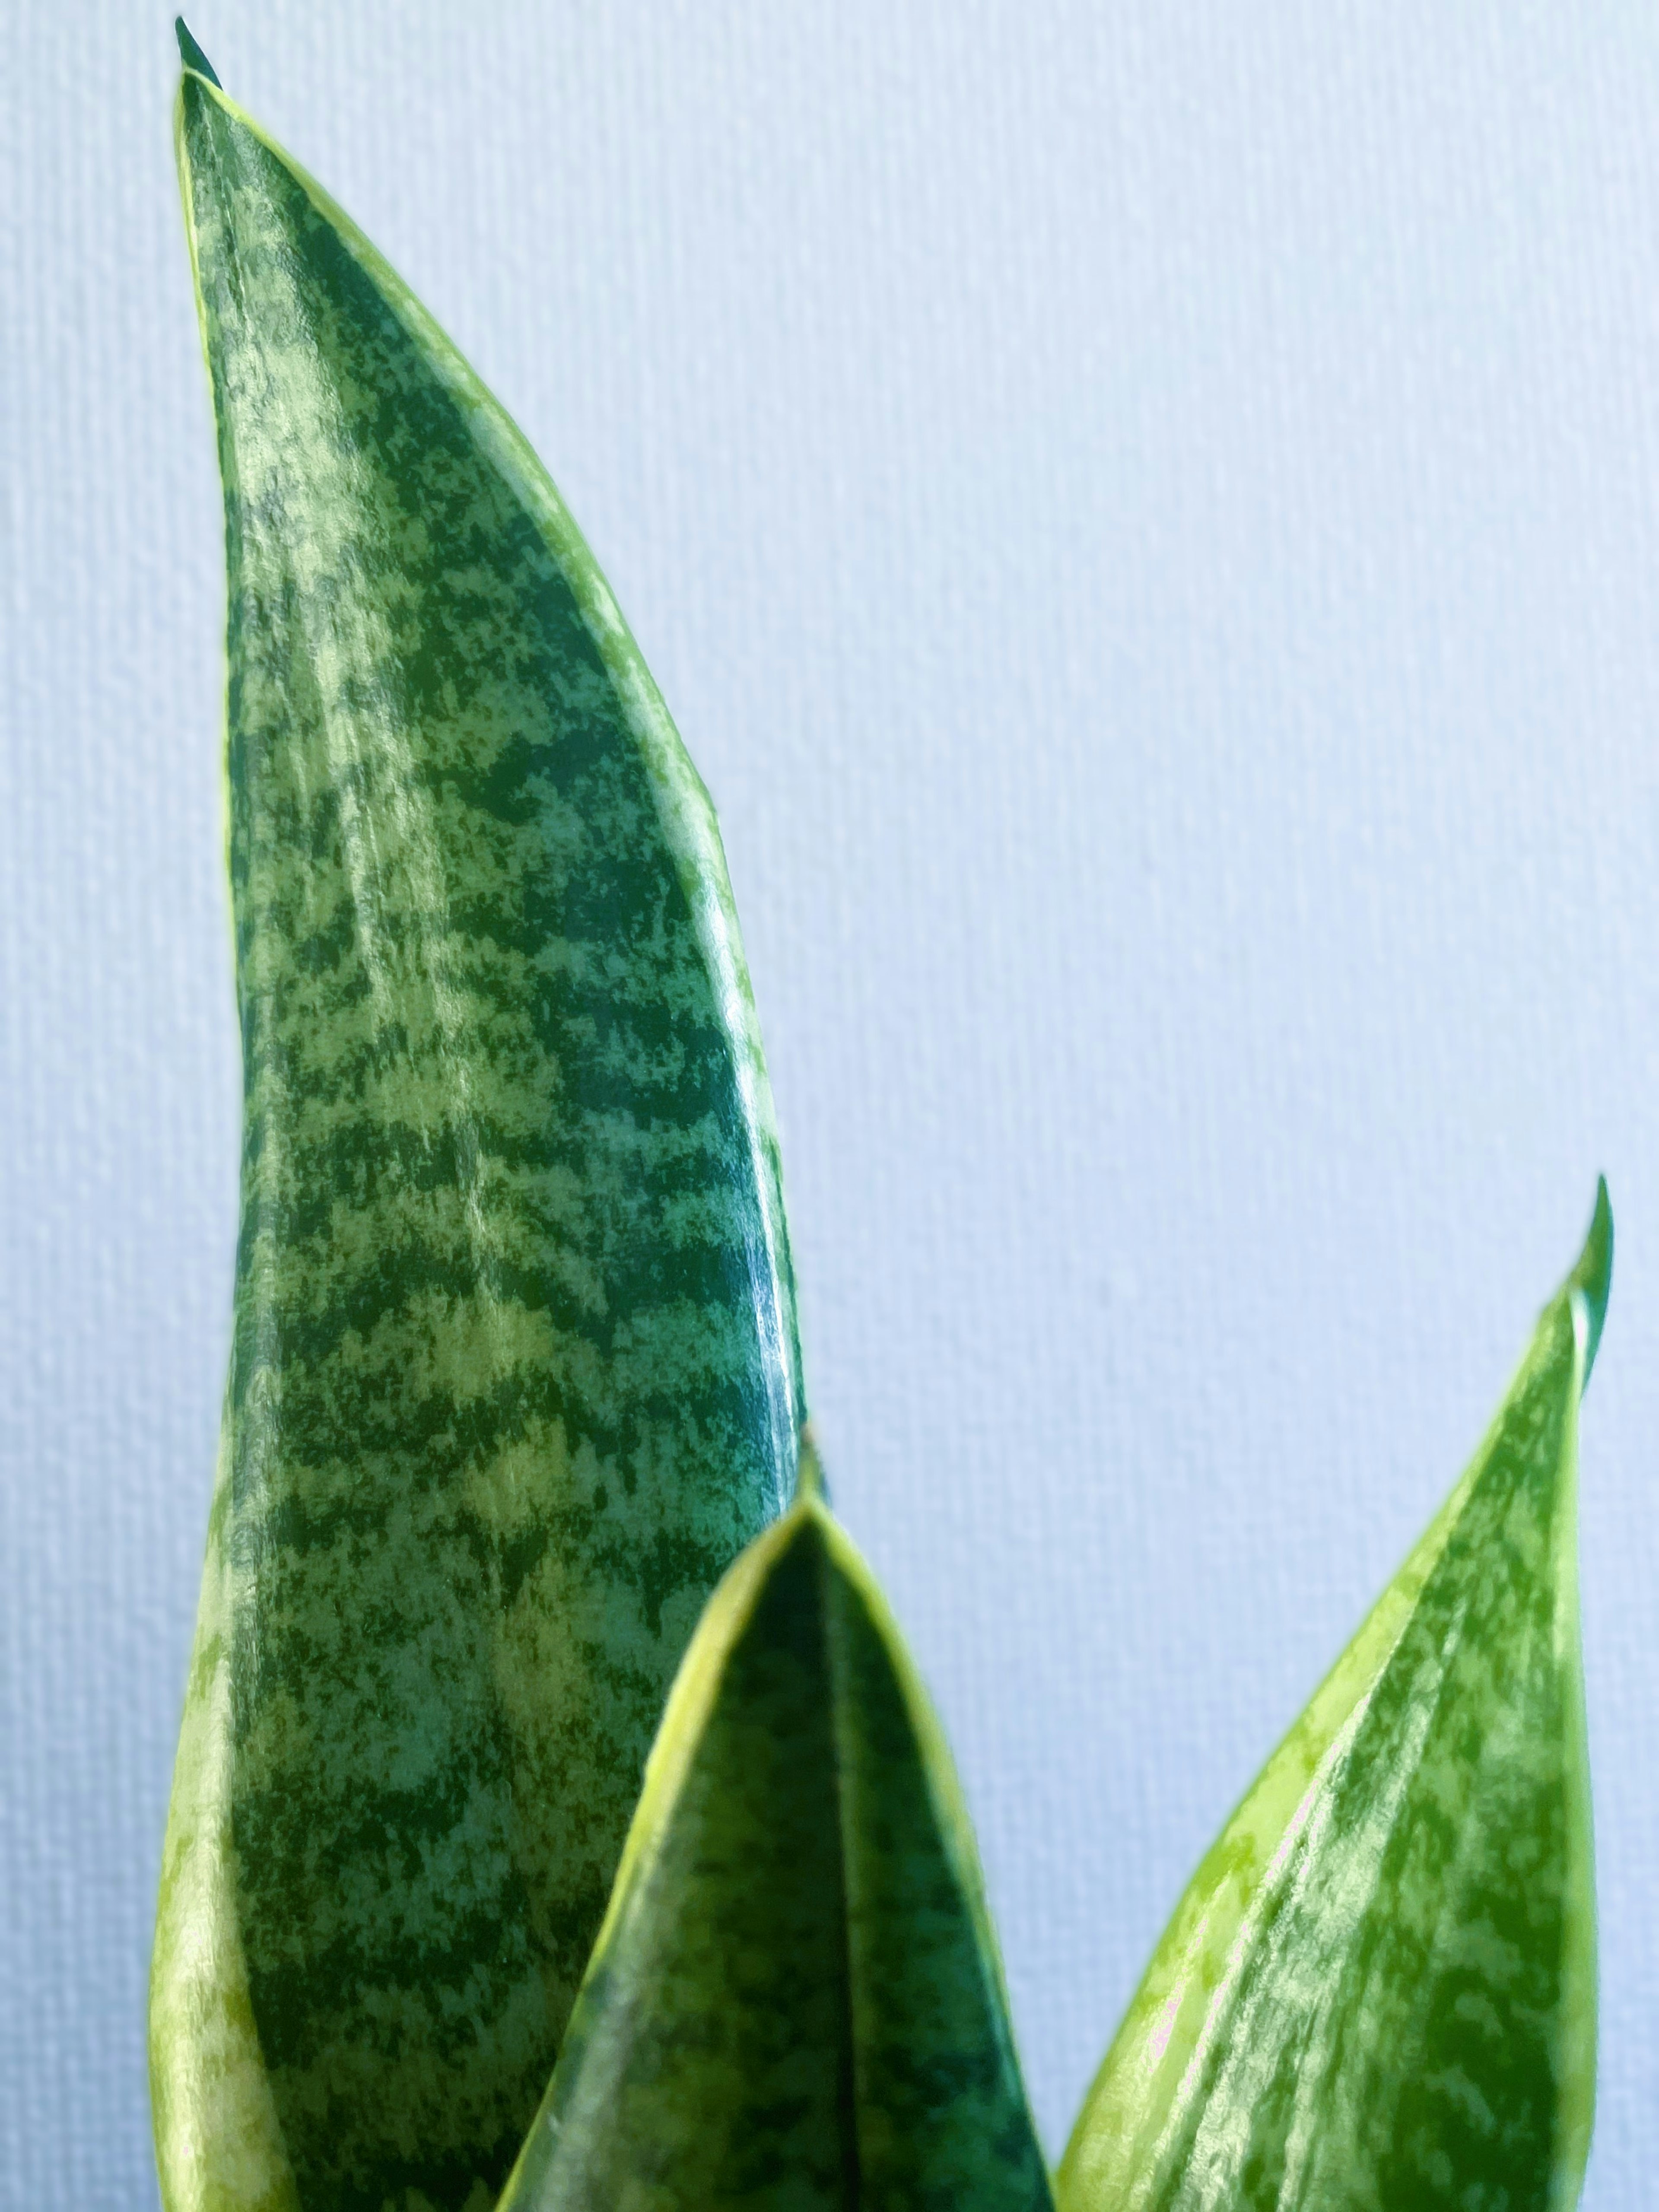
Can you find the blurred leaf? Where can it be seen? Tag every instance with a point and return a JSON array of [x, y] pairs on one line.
[[514, 1375], [795, 2001], [1379, 1990]]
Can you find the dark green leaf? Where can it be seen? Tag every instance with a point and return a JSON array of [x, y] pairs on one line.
[[514, 1375], [796, 2001]]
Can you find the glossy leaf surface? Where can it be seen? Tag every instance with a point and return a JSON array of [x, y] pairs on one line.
[[513, 1376], [1379, 1990], [796, 2001]]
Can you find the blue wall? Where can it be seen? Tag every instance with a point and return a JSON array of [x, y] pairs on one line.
[[1146, 516]]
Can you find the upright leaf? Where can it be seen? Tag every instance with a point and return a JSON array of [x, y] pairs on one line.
[[1379, 1990], [514, 1375], [795, 2003]]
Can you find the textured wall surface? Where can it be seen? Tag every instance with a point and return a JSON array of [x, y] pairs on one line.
[[1145, 515]]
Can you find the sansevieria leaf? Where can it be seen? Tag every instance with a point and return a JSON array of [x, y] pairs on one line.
[[514, 1376], [1378, 1994], [795, 2003]]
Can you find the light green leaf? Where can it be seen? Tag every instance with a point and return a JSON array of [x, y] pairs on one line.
[[514, 1375], [1378, 1994], [795, 2003]]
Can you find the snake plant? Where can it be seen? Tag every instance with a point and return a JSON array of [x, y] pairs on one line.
[[513, 1441], [1380, 1988], [513, 1374]]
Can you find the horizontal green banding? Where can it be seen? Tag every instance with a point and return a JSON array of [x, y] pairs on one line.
[[513, 1374]]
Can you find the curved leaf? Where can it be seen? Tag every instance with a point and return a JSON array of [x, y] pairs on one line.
[[1379, 1990], [514, 1375], [796, 2000]]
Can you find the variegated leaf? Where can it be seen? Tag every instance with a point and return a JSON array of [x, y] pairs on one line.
[[1378, 1994], [795, 2004], [514, 1375]]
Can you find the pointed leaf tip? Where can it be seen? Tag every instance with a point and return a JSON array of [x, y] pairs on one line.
[[1592, 1277], [191, 55], [810, 1479], [796, 1998], [1381, 1982]]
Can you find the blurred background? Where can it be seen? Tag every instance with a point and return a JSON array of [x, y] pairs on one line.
[[1144, 513]]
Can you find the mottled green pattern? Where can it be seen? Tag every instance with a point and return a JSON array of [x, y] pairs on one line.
[[1378, 1994], [514, 1375], [796, 2003]]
